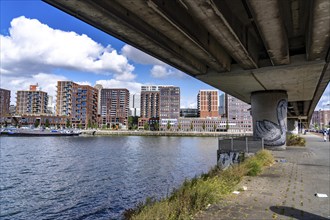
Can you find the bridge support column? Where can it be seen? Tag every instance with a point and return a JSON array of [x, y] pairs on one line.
[[269, 113], [293, 126]]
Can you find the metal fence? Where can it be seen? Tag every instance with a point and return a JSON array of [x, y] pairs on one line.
[[233, 150], [247, 144]]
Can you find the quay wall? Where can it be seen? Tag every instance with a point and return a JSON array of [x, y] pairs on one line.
[[163, 133]]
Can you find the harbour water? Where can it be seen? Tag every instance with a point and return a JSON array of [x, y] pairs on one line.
[[94, 177]]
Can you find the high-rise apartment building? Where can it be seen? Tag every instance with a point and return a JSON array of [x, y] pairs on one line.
[[4, 102], [78, 102], [31, 102], [135, 105], [237, 112], [114, 106], [207, 103], [149, 102], [320, 119], [169, 102]]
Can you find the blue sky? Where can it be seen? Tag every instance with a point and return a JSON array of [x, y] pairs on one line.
[[41, 44]]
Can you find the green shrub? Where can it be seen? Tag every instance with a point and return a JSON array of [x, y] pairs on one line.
[[295, 140], [254, 167]]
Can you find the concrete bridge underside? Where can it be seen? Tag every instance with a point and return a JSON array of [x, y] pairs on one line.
[[237, 46]]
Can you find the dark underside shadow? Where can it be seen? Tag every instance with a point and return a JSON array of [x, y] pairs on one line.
[[295, 213]]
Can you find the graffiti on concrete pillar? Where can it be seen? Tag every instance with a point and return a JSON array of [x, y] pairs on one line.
[[274, 134]]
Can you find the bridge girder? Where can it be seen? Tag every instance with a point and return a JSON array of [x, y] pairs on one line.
[[237, 46]]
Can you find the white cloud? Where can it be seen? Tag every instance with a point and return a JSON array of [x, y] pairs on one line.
[[162, 72], [46, 82], [139, 57], [324, 102], [84, 83], [133, 87], [33, 47]]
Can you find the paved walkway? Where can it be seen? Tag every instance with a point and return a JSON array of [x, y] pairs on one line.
[[286, 190]]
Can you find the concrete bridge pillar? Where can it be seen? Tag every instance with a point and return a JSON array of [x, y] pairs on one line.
[[293, 126], [269, 113]]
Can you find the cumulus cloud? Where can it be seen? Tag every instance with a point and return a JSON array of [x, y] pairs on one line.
[[84, 83], [46, 82], [324, 102], [32, 47], [162, 72], [133, 87], [139, 57]]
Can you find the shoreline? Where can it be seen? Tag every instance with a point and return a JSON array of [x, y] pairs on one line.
[[162, 133]]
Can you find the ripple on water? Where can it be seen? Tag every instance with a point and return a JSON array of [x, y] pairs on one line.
[[94, 177]]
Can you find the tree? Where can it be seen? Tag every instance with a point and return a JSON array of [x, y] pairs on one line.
[[47, 123], [146, 126], [89, 125], [68, 123], [156, 126], [227, 125], [191, 126], [168, 125], [203, 126], [179, 126], [132, 122], [36, 123], [215, 127]]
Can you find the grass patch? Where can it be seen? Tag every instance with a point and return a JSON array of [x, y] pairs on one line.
[[295, 140], [195, 194]]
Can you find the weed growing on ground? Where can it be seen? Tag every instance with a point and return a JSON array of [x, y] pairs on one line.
[[295, 140], [196, 194]]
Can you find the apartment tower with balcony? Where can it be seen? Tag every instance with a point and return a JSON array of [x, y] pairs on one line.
[[114, 107], [149, 102], [207, 103], [78, 103], [169, 105], [31, 102]]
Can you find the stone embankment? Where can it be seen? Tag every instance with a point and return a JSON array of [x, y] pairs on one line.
[[163, 133]]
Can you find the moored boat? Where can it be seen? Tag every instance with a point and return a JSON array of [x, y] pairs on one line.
[[39, 132]]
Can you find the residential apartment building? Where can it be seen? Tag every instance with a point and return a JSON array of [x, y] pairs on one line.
[[135, 105], [4, 102], [169, 102], [207, 103], [320, 119], [199, 125], [237, 111], [78, 102], [150, 102], [31, 102], [114, 107]]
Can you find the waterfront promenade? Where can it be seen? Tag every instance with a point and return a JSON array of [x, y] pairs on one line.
[[286, 190]]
